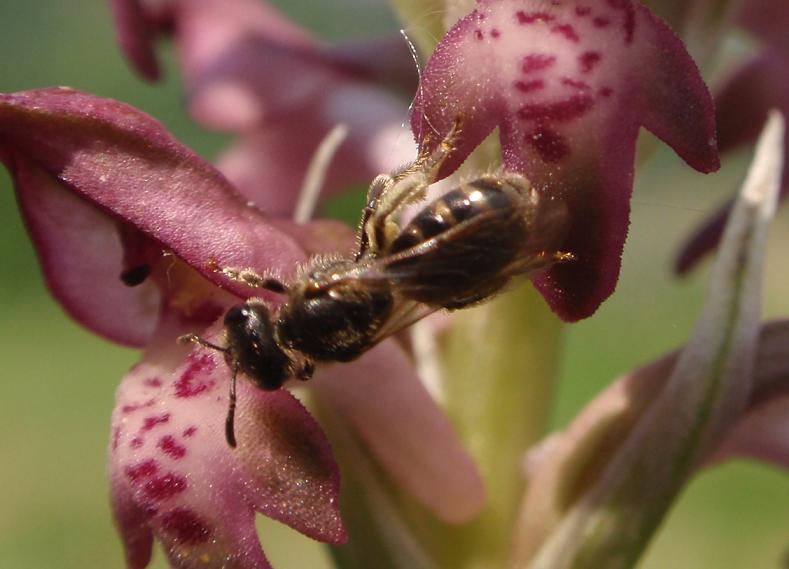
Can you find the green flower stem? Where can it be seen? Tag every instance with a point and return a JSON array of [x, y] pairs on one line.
[[500, 361]]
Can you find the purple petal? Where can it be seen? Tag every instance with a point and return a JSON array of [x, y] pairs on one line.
[[243, 62], [173, 474], [763, 432], [230, 50], [267, 165], [762, 435], [384, 401], [383, 60], [138, 187], [742, 107], [82, 257], [136, 28], [569, 84], [767, 20]]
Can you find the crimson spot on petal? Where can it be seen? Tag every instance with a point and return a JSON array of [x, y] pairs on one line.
[[189, 431], [116, 437], [568, 31], [529, 86], [126, 409], [153, 382], [144, 469], [588, 60], [185, 526], [155, 420], [629, 25], [532, 17], [575, 83], [551, 146], [164, 487], [171, 447], [187, 385], [560, 111], [537, 62]]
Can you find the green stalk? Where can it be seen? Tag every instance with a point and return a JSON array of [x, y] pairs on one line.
[[500, 362]]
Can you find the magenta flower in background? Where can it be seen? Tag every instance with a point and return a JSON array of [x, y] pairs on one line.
[[248, 70]]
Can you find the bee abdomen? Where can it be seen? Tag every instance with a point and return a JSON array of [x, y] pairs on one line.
[[469, 264], [452, 208]]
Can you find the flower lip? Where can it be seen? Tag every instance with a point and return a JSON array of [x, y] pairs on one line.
[[174, 477], [568, 90]]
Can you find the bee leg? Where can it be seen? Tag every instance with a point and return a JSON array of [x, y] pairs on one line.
[[253, 279], [430, 162], [379, 185], [390, 194]]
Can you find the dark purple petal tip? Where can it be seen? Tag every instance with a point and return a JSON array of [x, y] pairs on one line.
[[742, 107], [136, 32]]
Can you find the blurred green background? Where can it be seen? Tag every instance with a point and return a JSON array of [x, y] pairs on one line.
[[59, 380]]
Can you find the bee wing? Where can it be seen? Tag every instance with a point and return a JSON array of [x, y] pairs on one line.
[[404, 313], [373, 273], [543, 223]]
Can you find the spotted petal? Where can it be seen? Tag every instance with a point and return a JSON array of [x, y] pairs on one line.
[[568, 84], [173, 475]]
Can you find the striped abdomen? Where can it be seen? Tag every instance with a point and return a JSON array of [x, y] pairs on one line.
[[462, 243]]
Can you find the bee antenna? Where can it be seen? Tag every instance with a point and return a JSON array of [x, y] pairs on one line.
[[230, 420], [415, 57], [195, 339]]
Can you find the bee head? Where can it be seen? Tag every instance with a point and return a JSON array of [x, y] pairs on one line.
[[252, 346]]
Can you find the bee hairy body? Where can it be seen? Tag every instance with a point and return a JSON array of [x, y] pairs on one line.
[[459, 249]]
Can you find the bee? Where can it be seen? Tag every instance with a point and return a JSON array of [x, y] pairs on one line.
[[458, 250]]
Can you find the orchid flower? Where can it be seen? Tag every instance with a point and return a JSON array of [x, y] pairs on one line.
[[90, 170], [409, 457]]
